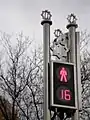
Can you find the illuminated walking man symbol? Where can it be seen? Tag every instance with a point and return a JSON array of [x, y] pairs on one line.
[[63, 75]]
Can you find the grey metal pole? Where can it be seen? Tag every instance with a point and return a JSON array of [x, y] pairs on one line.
[[46, 58], [72, 54], [78, 73]]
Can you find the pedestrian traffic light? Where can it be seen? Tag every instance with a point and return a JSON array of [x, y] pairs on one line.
[[62, 85]]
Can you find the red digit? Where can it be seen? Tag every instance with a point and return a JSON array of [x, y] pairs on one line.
[[65, 95], [62, 94]]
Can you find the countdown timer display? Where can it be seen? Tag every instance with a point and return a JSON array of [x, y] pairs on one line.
[[63, 87]]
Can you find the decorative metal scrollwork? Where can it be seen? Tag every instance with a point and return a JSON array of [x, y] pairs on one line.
[[59, 47], [46, 15], [71, 18]]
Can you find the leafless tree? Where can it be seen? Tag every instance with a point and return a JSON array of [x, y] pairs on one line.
[[21, 77], [85, 75]]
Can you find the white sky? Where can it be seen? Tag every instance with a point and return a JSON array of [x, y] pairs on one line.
[[24, 15]]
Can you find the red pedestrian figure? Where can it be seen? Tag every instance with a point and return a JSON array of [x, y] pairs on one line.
[[63, 75]]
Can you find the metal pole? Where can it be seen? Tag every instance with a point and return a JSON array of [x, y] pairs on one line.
[[46, 58], [78, 73], [72, 55]]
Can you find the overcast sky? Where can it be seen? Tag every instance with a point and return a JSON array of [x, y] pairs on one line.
[[24, 15]]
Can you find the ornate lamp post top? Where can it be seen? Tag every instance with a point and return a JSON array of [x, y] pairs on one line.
[[46, 15], [57, 32], [72, 19]]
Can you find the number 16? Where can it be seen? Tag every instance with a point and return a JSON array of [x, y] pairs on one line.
[[65, 95]]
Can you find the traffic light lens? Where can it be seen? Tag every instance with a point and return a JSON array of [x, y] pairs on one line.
[[63, 74]]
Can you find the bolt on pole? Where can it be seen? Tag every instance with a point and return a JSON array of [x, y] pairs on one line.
[[46, 22]]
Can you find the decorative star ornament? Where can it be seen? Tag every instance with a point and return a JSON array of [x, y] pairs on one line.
[[71, 18], [57, 32], [46, 15]]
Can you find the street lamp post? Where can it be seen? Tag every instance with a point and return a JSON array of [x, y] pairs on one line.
[[46, 22], [74, 57]]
